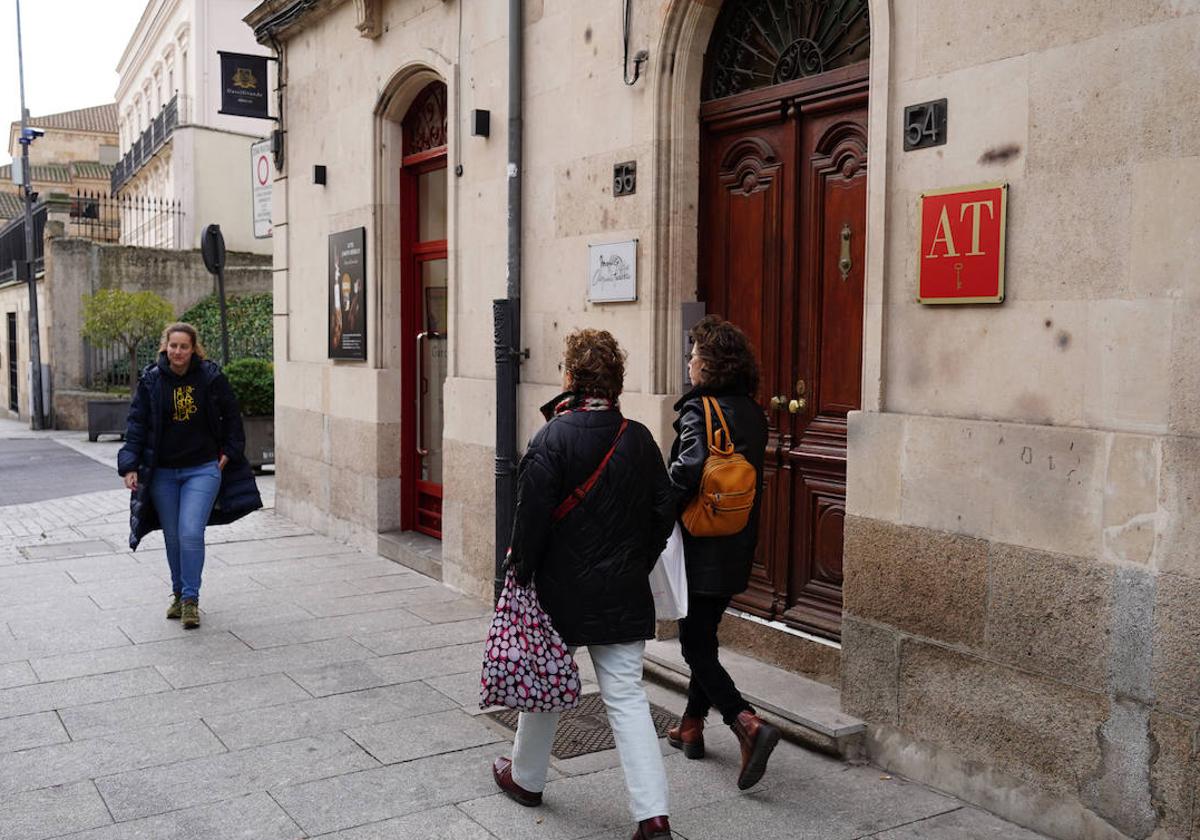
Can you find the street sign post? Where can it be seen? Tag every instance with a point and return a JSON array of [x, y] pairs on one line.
[[212, 249]]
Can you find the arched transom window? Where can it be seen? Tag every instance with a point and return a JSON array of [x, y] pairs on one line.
[[757, 43], [425, 123]]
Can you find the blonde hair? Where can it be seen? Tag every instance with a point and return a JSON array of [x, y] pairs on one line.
[[186, 329]]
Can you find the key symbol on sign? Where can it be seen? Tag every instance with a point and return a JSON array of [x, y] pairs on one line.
[[958, 267]]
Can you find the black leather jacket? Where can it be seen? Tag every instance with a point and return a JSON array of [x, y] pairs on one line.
[[717, 566], [592, 567]]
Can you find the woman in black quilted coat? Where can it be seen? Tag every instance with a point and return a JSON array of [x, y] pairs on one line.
[[183, 461], [722, 365], [591, 567]]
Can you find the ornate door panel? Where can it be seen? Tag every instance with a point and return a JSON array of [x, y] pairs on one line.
[[828, 367], [782, 226], [746, 256]]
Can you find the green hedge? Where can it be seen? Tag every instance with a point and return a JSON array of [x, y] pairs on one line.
[[250, 331], [253, 381]]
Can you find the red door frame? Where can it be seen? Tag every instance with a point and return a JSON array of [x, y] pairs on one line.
[[412, 254]]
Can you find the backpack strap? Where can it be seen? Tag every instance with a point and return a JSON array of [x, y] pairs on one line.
[[720, 443], [572, 501]]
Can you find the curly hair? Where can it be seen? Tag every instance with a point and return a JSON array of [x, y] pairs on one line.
[[725, 351], [595, 363], [186, 329]]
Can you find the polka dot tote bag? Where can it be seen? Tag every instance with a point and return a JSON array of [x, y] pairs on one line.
[[526, 664]]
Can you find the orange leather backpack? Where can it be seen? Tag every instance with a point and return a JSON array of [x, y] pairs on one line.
[[728, 484]]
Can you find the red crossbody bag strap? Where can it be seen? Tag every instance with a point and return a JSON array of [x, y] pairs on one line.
[[572, 501]]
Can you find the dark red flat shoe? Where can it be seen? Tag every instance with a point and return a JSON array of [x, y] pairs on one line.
[[655, 828], [502, 773]]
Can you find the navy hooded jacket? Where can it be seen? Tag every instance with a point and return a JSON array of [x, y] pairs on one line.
[[143, 432]]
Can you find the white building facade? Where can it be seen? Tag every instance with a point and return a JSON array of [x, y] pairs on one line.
[[178, 151]]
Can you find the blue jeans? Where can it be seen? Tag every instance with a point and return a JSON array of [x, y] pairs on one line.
[[183, 499]]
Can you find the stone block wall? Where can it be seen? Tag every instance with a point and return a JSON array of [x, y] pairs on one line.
[[1030, 606], [1021, 549], [77, 267]]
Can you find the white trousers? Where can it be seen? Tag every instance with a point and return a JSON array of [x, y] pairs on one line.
[[619, 673]]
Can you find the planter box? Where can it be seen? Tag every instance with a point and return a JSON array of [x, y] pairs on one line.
[[260, 440], [106, 417]]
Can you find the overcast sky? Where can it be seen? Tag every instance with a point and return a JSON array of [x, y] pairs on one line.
[[71, 52]]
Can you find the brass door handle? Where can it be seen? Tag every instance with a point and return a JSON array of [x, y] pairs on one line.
[[778, 402], [844, 263], [796, 406]]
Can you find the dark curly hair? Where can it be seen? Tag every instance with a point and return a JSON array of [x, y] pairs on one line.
[[595, 363], [725, 351]]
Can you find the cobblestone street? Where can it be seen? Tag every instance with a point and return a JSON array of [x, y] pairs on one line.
[[329, 693]]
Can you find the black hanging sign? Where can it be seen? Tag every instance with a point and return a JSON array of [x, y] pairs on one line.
[[244, 85]]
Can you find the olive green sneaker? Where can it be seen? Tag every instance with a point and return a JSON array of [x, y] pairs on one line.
[[190, 614], [174, 609]]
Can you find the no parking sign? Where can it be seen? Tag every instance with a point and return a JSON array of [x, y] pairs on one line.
[[260, 187]]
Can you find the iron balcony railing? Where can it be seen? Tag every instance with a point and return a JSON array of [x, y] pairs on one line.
[[12, 243], [145, 146], [130, 220]]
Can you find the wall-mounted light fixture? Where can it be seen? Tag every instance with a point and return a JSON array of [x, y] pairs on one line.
[[319, 174], [481, 123]]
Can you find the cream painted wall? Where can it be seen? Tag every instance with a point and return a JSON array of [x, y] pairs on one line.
[[574, 83], [220, 184], [1102, 271], [1101, 262]]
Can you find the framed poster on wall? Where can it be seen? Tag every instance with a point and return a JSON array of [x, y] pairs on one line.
[[348, 294]]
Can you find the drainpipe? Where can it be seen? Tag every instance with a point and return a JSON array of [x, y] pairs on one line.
[[506, 312]]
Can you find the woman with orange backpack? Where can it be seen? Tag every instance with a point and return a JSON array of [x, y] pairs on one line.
[[716, 469]]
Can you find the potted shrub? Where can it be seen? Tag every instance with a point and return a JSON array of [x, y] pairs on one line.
[[253, 383], [115, 316]]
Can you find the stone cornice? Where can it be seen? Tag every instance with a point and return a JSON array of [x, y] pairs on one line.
[[281, 19], [150, 26], [370, 24]]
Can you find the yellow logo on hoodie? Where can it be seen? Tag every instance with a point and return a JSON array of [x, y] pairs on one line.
[[184, 400]]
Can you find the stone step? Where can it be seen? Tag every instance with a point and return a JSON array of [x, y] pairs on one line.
[[807, 711], [415, 551]]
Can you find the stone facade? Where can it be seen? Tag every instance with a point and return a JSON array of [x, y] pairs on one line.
[[1021, 550]]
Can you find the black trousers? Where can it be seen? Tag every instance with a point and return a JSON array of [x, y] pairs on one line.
[[710, 684]]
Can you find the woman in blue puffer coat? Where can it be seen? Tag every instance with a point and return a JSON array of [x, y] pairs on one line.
[[183, 461]]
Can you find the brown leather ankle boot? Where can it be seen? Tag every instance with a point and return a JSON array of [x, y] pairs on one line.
[[757, 738], [688, 736], [655, 828]]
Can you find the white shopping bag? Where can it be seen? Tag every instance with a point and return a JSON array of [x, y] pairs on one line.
[[668, 580]]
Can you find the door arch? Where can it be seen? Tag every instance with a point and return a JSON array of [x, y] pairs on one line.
[[424, 328], [782, 230]]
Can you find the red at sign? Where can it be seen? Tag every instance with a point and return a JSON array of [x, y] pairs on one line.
[[962, 245]]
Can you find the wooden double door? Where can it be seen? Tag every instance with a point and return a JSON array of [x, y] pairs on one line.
[[782, 233]]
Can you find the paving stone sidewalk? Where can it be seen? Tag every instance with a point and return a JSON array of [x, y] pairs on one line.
[[329, 693]]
